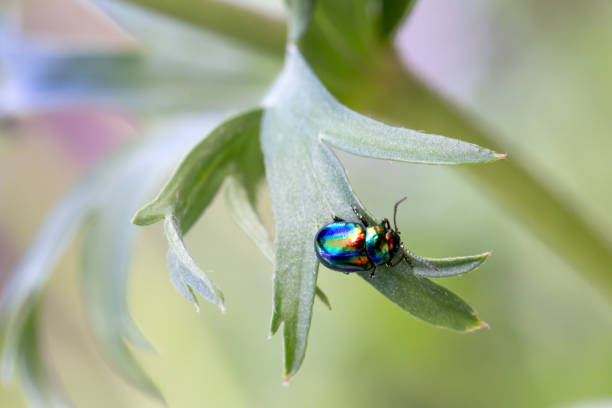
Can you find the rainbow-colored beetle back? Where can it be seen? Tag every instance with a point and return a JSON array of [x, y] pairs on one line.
[[356, 246]]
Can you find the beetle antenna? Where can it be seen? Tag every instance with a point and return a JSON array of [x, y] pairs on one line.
[[418, 258], [395, 212]]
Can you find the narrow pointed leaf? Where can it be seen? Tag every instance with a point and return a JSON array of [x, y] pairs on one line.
[[185, 267], [360, 135], [108, 192], [225, 151], [448, 266], [110, 238], [424, 299], [150, 78], [197, 179], [322, 297], [308, 186], [56, 233], [247, 218], [23, 347]]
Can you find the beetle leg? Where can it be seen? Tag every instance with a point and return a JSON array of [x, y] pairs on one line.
[[336, 218], [361, 217], [372, 273], [409, 261]]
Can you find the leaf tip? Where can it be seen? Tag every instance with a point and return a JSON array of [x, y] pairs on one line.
[[286, 380], [487, 254], [499, 156], [145, 216], [222, 308], [479, 325]]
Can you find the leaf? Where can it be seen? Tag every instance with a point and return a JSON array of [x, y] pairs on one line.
[[246, 217], [448, 266], [424, 299], [243, 213], [187, 271], [41, 391], [196, 181], [58, 230], [323, 297], [128, 175], [227, 150], [378, 83], [230, 20], [156, 78], [308, 186]]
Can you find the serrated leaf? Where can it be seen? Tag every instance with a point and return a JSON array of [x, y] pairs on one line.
[[448, 266], [308, 186]]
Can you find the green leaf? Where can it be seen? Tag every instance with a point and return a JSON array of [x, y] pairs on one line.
[[322, 297], [448, 266], [23, 347], [360, 135], [229, 150], [424, 299], [58, 230], [185, 271], [129, 174], [155, 77], [230, 20], [196, 181], [110, 238], [245, 215], [308, 186]]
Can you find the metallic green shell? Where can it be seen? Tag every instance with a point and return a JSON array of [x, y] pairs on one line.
[[340, 246]]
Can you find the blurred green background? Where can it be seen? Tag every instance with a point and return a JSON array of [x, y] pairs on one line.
[[538, 74]]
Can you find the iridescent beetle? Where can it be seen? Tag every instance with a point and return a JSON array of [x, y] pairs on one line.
[[353, 247]]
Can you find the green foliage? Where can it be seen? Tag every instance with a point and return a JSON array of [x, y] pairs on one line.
[[343, 44], [129, 175], [308, 184]]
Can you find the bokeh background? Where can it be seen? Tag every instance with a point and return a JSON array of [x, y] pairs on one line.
[[537, 74]]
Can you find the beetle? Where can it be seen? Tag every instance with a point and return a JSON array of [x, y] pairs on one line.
[[346, 246]]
